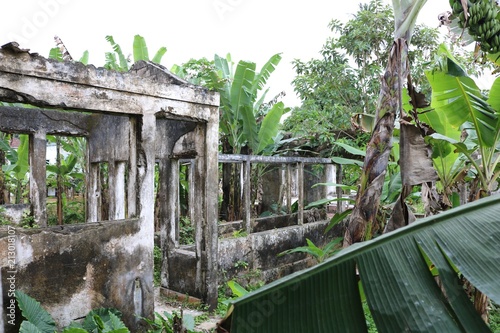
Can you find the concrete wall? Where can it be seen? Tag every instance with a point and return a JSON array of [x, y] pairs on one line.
[[255, 256], [75, 268], [71, 269], [260, 251]]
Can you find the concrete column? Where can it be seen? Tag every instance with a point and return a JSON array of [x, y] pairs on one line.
[[93, 193], [119, 192], [247, 204], [132, 171], [38, 177], [288, 175], [300, 190], [145, 185], [211, 206]]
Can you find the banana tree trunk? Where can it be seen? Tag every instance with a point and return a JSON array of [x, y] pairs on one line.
[[379, 146]]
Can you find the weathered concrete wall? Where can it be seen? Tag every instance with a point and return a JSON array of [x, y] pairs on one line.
[[14, 213], [72, 269], [313, 174], [75, 268], [272, 222], [260, 251]]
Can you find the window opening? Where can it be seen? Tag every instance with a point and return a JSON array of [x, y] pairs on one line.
[[66, 173]]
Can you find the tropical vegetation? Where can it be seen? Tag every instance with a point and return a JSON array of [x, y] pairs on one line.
[[444, 152], [411, 278]]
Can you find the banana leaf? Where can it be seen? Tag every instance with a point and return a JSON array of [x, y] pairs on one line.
[[242, 103], [55, 53], [457, 96], [140, 49], [398, 282], [85, 57], [270, 126], [123, 64], [159, 55], [264, 74]]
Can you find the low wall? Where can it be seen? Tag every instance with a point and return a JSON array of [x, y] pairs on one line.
[[252, 258], [226, 229], [101, 265], [259, 251]]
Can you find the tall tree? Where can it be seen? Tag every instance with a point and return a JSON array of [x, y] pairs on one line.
[[346, 79]]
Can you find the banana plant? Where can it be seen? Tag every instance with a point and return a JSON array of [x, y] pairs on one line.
[[462, 108], [117, 61], [18, 168], [241, 105], [390, 106], [397, 272]]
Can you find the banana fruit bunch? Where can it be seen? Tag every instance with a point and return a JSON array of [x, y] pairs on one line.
[[481, 21]]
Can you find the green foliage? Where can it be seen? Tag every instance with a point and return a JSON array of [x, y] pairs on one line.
[[73, 211], [27, 220], [319, 254], [37, 319], [186, 231], [165, 323], [17, 170], [4, 219], [37, 316], [416, 302], [197, 71], [495, 318], [246, 121], [117, 61], [345, 80], [239, 233], [460, 107], [237, 289]]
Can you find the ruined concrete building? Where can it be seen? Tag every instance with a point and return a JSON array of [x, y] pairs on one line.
[[133, 122]]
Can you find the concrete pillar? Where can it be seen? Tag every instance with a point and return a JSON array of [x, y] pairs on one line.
[[38, 177], [93, 193]]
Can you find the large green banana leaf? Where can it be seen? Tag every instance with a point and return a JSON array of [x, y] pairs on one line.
[[457, 96], [270, 126], [242, 102], [459, 104], [140, 49], [264, 74], [397, 278]]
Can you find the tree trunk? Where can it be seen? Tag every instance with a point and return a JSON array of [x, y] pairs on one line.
[[481, 301], [378, 148]]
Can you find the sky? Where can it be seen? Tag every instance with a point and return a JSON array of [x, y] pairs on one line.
[[251, 30]]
